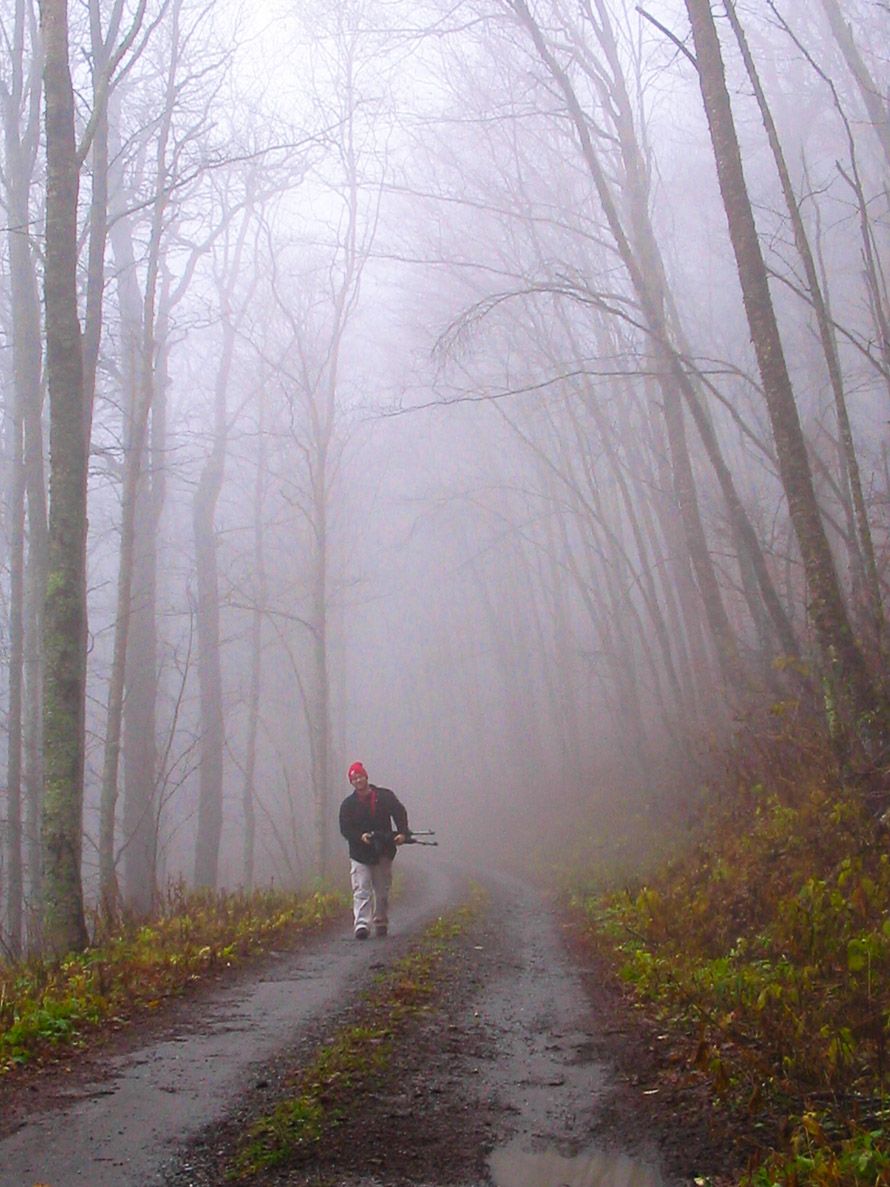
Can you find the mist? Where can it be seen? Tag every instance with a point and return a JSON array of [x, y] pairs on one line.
[[432, 423]]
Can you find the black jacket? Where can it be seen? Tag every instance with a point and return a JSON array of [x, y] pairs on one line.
[[356, 818]]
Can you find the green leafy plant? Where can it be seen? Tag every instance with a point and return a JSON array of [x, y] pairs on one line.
[[860, 1160], [765, 949], [46, 1007]]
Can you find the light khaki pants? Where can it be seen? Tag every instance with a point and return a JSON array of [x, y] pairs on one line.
[[370, 892]]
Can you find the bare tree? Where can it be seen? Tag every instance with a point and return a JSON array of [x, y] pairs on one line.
[[65, 622], [20, 104], [318, 329], [871, 92], [210, 801], [138, 416], [862, 546], [852, 683], [637, 247], [248, 796]]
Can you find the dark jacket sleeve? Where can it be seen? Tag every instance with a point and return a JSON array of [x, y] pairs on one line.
[[398, 813], [349, 828]]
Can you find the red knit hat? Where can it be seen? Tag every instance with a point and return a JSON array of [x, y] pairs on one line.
[[357, 768]]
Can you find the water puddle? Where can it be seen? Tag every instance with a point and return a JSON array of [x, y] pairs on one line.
[[512, 1166]]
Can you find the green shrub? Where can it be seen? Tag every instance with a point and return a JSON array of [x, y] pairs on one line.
[[47, 1006], [768, 945]]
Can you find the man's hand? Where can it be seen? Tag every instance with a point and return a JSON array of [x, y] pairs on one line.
[[367, 838], [399, 838]]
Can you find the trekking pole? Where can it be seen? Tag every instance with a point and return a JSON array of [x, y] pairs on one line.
[[409, 834]]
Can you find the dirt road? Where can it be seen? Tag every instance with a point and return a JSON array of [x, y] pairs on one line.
[[508, 1082]]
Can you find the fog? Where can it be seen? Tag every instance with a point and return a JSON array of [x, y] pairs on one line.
[[425, 333]]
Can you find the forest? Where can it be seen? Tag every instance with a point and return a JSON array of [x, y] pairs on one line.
[[489, 390]]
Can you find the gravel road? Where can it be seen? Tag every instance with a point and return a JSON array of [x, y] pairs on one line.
[[120, 1128], [527, 1073]]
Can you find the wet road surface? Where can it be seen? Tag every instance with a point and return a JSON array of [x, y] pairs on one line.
[[123, 1130], [131, 1127], [544, 1079]]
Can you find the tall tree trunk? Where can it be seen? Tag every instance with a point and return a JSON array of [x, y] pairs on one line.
[[137, 415], [647, 584], [212, 747], [65, 619], [319, 723], [16, 533], [256, 660], [140, 811], [646, 575], [98, 235], [878, 109], [680, 577], [671, 593], [132, 495], [20, 97], [666, 365], [872, 92], [212, 742], [639, 249], [139, 732], [32, 769], [665, 322], [853, 686], [819, 301], [139, 396], [564, 663], [520, 720], [98, 222]]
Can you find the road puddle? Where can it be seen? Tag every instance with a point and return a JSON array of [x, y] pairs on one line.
[[512, 1166]]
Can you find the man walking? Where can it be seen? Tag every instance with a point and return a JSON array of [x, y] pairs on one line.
[[374, 822]]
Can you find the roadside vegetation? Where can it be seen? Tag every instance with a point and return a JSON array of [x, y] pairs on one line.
[[49, 1007], [322, 1094], [764, 951]]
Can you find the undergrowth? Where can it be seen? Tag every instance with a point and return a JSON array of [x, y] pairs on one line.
[[324, 1092], [767, 947], [49, 1007]]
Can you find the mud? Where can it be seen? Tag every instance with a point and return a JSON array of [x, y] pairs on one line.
[[532, 1069], [116, 1117]]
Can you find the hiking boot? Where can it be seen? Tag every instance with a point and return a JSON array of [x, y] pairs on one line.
[[361, 933], [381, 930]]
